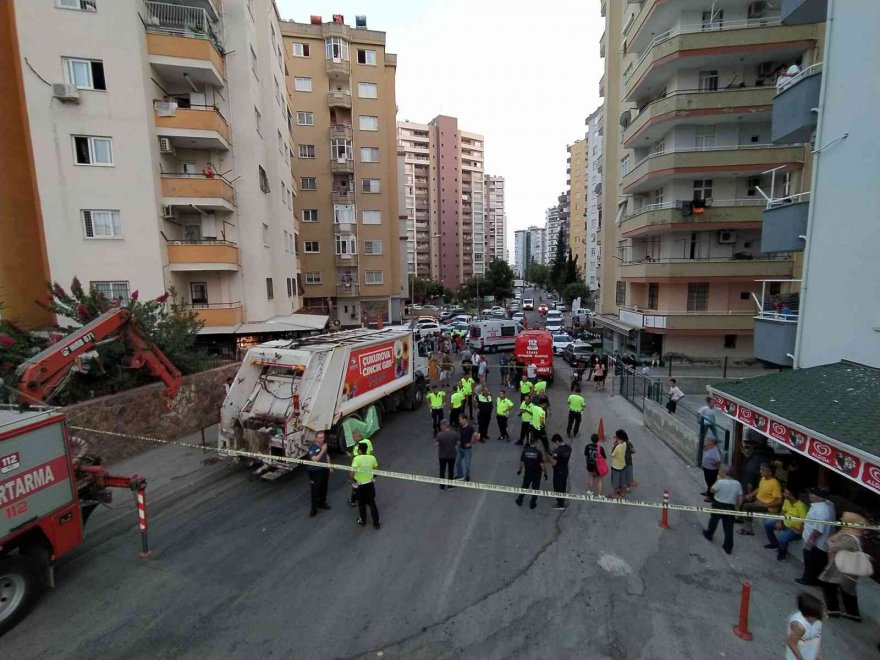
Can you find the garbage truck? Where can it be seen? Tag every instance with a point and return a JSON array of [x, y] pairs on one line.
[[342, 383]]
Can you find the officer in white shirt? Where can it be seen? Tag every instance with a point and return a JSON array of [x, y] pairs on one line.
[[816, 535]]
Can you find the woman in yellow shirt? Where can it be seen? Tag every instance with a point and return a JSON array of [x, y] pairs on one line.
[[618, 464]]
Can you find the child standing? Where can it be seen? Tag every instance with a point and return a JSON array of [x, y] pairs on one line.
[[803, 640]]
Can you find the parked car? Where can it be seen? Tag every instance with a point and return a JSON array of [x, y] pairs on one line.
[[560, 341], [462, 318], [426, 319], [577, 353], [518, 317], [428, 329]]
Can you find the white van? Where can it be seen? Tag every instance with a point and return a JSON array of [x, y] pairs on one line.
[[528, 303], [493, 335]]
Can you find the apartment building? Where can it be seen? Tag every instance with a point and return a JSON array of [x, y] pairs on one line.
[[160, 163], [446, 193], [342, 88], [577, 166], [556, 220], [688, 146], [529, 247], [593, 250], [496, 219]]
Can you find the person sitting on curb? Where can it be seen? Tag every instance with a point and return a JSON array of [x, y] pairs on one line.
[[788, 530], [766, 498]]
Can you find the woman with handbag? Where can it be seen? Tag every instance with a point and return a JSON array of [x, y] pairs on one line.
[[846, 564]]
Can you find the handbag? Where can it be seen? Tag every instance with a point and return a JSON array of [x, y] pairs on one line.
[[601, 464], [855, 563]]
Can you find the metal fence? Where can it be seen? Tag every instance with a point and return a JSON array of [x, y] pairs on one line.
[[186, 21]]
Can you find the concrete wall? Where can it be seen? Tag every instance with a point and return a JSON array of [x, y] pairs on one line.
[[681, 438], [144, 411]]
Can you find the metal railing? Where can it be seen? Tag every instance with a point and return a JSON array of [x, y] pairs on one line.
[[647, 208], [195, 175], [783, 307], [182, 20], [220, 305], [811, 70], [686, 260], [771, 200], [666, 312], [204, 241], [693, 28], [170, 108], [731, 147]]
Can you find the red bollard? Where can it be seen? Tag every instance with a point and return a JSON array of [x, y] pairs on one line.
[[741, 629], [140, 495], [664, 512]]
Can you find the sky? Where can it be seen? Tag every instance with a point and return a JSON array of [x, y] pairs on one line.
[[525, 75]]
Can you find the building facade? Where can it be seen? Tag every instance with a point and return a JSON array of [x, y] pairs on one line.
[[446, 192], [578, 171], [688, 114], [343, 115], [496, 219], [593, 250], [529, 247], [137, 183]]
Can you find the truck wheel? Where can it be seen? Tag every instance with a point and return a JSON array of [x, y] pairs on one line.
[[339, 434], [18, 590], [417, 395]]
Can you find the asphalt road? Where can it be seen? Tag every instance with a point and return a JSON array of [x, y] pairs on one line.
[[239, 570]]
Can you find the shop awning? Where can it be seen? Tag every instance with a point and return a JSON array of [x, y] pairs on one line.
[[217, 330], [291, 323], [829, 413], [614, 323]]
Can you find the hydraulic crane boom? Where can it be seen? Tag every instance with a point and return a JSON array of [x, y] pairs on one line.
[[39, 377]]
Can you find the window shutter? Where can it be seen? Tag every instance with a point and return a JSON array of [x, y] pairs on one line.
[[87, 221]]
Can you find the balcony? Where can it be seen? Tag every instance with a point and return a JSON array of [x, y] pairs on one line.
[[338, 99], [785, 224], [183, 44], [342, 166], [337, 69], [704, 269], [342, 196], [656, 118], [346, 260], [696, 46], [341, 131], [665, 217], [199, 191], [648, 173], [776, 324], [794, 115], [202, 255], [219, 314], [200, 127], [799, 12], [348, 290], [707, 320]]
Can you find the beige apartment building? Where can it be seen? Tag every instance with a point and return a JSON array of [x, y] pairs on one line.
[[155, 160], [342, 87], [496, 219], [688, 166], [577, 168], [446, 193]]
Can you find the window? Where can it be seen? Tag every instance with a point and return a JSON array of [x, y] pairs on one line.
[[374, 277], [336, 48], [624, 165], [112, 290], [368, 90], [93, 150], [300, 49], [289, 288], [346, 244], [369, 154], [306, 151], [81, 5], [313, 278], [85, 74], [729, 341], [752, 185], [366, 56], [702, 188], [286, 234], [291, 243], [713, 19], [281, 145], [302, 84], [373, 247], [265, 235], [308, 183], [707, 81], [343, 213], [101, 224], [705, 137], [620, 293], [653, 294], [658, 196], [254, 62], [264, 180], [305, 118], [270, 288], [311, 247], [371, 217], [310, 215], [340, 149], [198, 293], [698, 297], [258, 117], [368, 123], [371, 185], [277, 92]]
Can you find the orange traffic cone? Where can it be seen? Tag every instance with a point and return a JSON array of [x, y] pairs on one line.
[[601, 431]]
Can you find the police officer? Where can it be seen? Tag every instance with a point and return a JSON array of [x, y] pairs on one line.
[[559, 458], [576, 405], [467, 388], [484, 412], [502, 410], [435, 399], [456, 406], [539, 395], [525, 389], [539, 426], [531, 461], [525, 413], [354, 453], [362, 479], [318, 476]]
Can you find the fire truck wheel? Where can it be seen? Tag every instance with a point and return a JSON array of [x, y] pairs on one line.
[[18, 590]]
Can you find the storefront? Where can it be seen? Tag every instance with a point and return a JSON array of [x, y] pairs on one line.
[[233, 341]]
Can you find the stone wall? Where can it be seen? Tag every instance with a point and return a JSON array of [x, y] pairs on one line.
[[145, 411], [676, 433]]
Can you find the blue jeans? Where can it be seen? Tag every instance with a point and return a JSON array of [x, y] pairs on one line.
[[463, 463], [781, 540]]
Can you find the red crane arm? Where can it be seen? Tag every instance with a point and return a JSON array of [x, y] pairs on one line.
[[39, 376]]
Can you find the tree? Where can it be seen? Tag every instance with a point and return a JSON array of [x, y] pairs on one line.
[[16, 346], [558, 267], [499, 280], [538, 274], [576, 290], [426, 289]]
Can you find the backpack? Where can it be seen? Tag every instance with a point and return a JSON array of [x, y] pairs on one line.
[[601, 465]]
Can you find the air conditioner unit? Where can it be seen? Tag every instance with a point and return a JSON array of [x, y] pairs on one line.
[[165, 146], [65, 93], [757, 9], [765, 69], [167, 211], [726, 237]]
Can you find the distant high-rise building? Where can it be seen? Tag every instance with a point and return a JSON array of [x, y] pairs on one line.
[[577, 170], [556, 220], [528, 249], [496, 219], [593, 250]]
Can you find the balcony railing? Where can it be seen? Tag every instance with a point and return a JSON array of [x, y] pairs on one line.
[[192, 22], [341, 131], [689, 150], [647, 208], [782, 307], [339, 99], [806, 73]]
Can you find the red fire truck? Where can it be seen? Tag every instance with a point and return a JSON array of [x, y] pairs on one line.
[[46, 492]]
